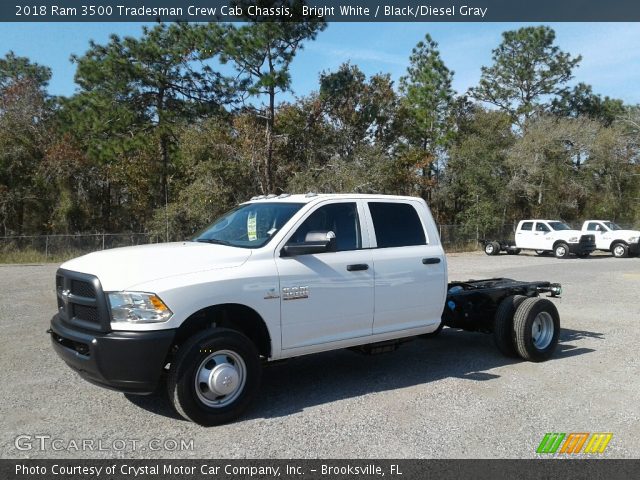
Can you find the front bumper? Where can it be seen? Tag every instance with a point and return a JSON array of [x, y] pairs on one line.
[[582, 248], [129, 362], [634, 248]]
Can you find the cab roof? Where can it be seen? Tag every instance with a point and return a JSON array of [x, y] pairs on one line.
[[310, 197]]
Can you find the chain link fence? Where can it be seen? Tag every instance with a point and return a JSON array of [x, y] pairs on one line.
[[52, 248], [44, 248]]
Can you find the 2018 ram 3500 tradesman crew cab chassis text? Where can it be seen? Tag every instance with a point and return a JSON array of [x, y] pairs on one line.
[[278, 277]]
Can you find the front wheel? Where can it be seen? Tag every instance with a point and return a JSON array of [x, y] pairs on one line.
[[620, 250], [561, 250], [536, 328], [214, 377]]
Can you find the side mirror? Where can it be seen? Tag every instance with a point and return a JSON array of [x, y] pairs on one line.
[[319, 241]]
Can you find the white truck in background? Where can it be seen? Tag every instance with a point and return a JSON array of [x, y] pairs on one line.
[[545, 236], [612, 238]]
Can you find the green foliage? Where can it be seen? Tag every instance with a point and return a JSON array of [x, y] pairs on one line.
[[157, 140], [25, 111], [428, 97], [527, 69]]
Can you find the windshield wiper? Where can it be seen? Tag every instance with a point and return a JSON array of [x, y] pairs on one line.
[[215, 241]]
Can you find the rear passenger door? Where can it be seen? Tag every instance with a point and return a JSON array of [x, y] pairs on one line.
[[409, 266]]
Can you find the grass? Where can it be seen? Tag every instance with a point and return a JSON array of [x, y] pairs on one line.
[[35, 256]]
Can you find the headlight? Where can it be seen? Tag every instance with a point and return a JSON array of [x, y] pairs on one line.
[[633, 239], [138, 307], [573, 239]]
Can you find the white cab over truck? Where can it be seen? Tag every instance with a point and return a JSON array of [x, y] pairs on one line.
[[278, 277], [612, 238], [545, 236]]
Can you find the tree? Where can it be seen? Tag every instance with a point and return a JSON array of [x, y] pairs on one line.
[[581, 101], [262, 52], [527, 70], [475, 181], [25, 110], [546, 174], [428, 97], [360, 111], [136, 92], [427, 106]]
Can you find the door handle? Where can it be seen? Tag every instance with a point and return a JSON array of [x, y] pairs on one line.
[[357, 267], [430, 261]]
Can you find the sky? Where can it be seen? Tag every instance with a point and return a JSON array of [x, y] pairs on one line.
[[610, 51]]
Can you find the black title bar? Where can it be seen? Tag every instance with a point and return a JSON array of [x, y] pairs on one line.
[[329, 10], [122, 469]]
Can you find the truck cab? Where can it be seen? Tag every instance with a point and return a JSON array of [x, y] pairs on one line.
[[612, 238], [276, 277], [553, 236]]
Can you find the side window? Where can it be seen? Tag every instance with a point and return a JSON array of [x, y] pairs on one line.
[[396, 224], [593, 227], [527, 226], [339, 218], [541, 227]]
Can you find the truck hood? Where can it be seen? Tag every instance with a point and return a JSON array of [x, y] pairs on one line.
[[567, 234], [624, 234], [121, 268]]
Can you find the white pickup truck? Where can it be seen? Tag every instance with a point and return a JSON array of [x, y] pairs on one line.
[[612, 238], [278, 277], [545, 236]]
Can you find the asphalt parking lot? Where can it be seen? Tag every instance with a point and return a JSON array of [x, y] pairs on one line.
[[453, 396]]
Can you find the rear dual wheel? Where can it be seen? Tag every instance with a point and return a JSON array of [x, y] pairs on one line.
[[492, 248], [528, 327]]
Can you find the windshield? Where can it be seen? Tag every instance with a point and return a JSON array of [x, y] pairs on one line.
[[559, 226], [249, 226], [611, 226]]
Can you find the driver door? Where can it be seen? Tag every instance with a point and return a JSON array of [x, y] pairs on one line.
[[327, 297]]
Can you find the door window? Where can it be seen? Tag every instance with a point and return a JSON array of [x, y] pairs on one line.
[[594, 227], [339, 218], [396, 224], [527, 226], [541, 227]]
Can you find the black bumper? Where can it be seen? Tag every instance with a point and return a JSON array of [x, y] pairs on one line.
[[582, 248], [634, 248], [129, 362]]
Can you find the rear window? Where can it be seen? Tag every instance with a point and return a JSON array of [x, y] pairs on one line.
[[527, 226], [396, 225]]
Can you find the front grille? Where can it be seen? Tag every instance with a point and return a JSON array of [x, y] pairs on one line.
[[88, 314], [588, 239], [81, 301], [83, 289]]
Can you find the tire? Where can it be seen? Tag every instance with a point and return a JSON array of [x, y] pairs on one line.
[[489, 248], [496, 248], [561, 250], [536, 328], [583, 255], [503, 325], [620, 250], [237, 378], [541, 253], [514, 251]]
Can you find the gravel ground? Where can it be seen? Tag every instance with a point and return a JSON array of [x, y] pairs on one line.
[[453, 396]]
